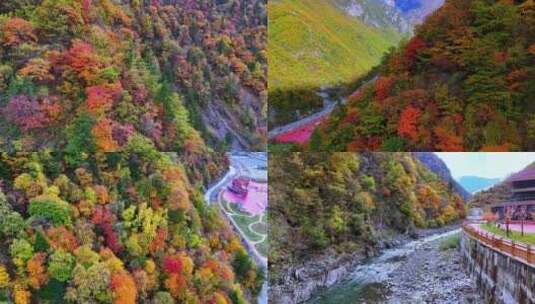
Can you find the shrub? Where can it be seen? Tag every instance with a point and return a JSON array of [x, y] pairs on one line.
[[61, 265], [51, 208]]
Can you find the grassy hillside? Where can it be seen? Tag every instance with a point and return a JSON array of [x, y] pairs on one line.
[[313, 43]]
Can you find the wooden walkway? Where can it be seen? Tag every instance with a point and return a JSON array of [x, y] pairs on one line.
[[520, 251]]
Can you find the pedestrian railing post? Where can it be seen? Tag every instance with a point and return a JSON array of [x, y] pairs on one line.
[[513, 249]]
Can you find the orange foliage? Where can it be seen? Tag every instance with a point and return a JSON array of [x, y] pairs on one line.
[[158, 243], [102, 132], [179, 198], [407, 125], [82, 59], [352, 116], [219, 298], [61, 238], [52, 110], [219, 269], [505, 147], [37, 271], [102, 194], [500, 57], [20, 294], [177, 285], [193, 145], [383, 85], [100, 98], [516, 78], [354, 146], [16, 31], [532, 49], [448, 140], [124, 288], [37, 69]]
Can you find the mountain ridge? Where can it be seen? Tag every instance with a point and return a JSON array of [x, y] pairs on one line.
[[462, 83], [314, 44], [475, 184]]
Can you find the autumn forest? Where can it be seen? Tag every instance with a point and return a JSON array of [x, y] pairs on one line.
[[263, 151]]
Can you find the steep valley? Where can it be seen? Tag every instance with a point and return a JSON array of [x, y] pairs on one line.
[[315, 43], [330, 212]]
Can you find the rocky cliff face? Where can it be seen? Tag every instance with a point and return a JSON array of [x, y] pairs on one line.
[[299, 283], [415, 11], [401, 15], [435, 164], [379, 14]]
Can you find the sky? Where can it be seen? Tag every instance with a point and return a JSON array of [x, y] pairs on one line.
[[491, 165]]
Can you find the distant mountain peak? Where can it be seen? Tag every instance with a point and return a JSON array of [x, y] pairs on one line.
[[477, 183], [379, 14], [406, 5], [399, 14], [415, 11]]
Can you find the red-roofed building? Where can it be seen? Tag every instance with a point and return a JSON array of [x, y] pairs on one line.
[[239, 186], [522, 199]]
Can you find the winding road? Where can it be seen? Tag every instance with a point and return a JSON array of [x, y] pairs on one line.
[[313, 119], [214, 194], [309, 123]]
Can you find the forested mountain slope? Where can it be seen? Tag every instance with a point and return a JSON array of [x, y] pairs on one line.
[[495, 194], [94, 74], [465, 81], [315, 43], [345, 202], [439, 167], [124, 228]]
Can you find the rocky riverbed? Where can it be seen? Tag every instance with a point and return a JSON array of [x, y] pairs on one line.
[[416, 272], [431, 275]]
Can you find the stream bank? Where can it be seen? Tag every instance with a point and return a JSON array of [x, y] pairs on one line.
[[404, 270], [417, 272]]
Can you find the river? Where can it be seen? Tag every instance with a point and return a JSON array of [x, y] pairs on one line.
[[417, 272]]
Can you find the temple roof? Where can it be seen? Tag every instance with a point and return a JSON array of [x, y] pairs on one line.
[[514, 203], [527, 173]]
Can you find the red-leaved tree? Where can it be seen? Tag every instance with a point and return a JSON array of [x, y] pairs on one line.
[[383, 85], [413, 48], [408, 123], [25, 112]]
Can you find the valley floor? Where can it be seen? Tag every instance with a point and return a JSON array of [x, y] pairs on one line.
[[432, 275], [421, 271]]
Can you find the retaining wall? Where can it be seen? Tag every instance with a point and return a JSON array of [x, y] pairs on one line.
[[501, 278]]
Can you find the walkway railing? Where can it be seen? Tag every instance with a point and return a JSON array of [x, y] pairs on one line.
[[518, 250]]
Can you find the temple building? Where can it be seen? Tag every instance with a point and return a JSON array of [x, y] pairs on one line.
[[239, 186], [522, 197]]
